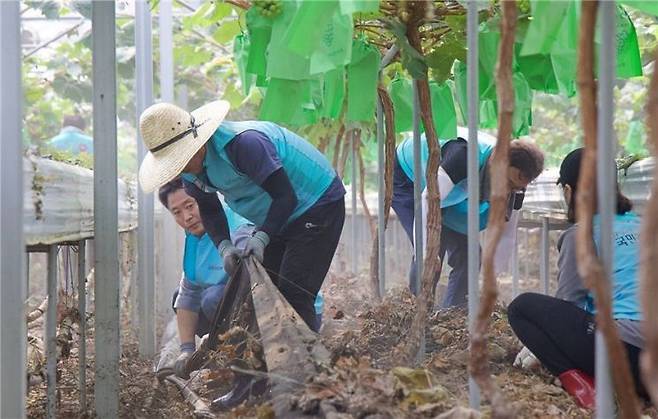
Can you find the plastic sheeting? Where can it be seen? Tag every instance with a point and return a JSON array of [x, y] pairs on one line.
[[59, 202]]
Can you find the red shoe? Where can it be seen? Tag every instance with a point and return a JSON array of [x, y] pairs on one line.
[[580, 386]]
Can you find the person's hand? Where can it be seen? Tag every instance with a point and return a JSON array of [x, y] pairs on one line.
[[231, 256], [526, 360], [256, 245], [180, 366]]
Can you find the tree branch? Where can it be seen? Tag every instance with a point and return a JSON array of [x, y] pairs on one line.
[[589, 265], [479, 356]]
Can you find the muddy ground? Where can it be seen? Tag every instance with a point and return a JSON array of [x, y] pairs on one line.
[[365, 379]]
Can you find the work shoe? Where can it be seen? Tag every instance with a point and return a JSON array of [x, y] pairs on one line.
[[245, 386], [580, 386]]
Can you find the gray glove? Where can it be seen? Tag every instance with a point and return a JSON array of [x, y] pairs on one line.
[[180, 367], [256, 245], [231, 256]]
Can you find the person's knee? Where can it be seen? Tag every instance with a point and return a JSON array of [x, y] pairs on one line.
[[518, 308]]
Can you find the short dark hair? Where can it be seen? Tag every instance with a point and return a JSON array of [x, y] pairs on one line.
[[526, 157], [569, 173], [74, 121], [168, 189]]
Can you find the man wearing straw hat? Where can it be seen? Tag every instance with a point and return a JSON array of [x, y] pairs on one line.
[[267, 174]]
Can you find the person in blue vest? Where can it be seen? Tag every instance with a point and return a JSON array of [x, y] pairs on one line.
[[266, 173], [72, 137], [526, 161], [559, 332], [201, 288]]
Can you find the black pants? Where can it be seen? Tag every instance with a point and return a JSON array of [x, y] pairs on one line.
[[298, 259], [561, 335]]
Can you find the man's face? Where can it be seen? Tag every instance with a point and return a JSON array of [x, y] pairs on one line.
[[517, 182], [186, 212], [195, 165]]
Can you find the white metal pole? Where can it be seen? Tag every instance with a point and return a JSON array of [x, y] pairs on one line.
[[545, 260], [145, 239], [82, 309], [107, 343], [51, 334], [606, 187], [473, 177], [515, 265], [13, 337], [354, 212]]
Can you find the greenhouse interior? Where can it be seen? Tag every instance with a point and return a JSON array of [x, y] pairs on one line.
[[329, 208]]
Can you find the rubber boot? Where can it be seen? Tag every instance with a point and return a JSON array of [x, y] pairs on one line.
[[244, 387], [580, 386]]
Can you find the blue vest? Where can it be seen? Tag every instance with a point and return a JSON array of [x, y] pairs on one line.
[[455, 205], [319, 303], [308, 170], [625, 265], [73, 140]]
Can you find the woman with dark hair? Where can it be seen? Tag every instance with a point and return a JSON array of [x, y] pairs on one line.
[[560, 331]]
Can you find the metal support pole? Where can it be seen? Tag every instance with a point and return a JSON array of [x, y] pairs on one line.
[[51, 334], [544, 262], [145, 239], [166, 51], [107, 286], [381, 192], [515, 265], [418, 190], [606, 176], [354, 212], [526, 246], [473, 183], [13, 335], [418, 209], [82, 309]]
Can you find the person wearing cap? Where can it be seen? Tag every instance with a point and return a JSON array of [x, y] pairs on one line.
[[559, 332], [267, 174], [526, 163], [201, 288]]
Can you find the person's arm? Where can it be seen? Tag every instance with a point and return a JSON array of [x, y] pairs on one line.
[[253, 154], [212, 213], [570, 285]]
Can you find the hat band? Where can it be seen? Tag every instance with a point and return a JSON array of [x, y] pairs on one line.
[[192, 129]]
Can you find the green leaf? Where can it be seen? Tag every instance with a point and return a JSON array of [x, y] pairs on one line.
[[198, 18], [190, 56], [442, 58], [233, 96], [226, 31], [456, 22], [220, 11]]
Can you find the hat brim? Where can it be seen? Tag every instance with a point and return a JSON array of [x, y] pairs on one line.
[[164, 165]]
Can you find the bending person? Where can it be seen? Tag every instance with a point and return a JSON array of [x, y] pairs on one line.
[[201, 288], [526, 161], [274, 178], [560, 330]]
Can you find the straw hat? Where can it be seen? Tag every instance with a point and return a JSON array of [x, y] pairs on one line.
[[173, 136]]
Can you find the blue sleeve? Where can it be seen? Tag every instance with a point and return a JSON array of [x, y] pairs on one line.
[[253, 154], [189, 296]]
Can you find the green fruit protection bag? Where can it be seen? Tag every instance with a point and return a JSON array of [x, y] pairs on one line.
[[402, 97], [538, 71], [348, 7], [332, 50], [646, 6], [333, 93], [488, 38], [443, 111], [522, 118], [488, 116], [303, 36], [362, 78], [260, 32], [291, 102], [241, 57]]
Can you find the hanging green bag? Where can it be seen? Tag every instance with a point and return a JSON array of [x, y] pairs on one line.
[[241, 56], [538, 71], [332, 51], [289, 102], [402, 97], [522, 118], [646, 6], [362, 76], [629, 63], [488, 38], [349, 7], [260, 32], [303, 36], [488, 111], [333, 94], [443, 111], [544, 28]]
